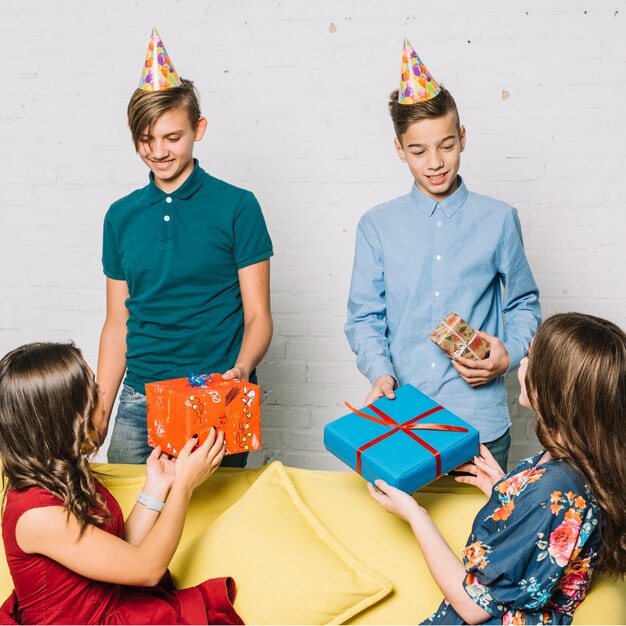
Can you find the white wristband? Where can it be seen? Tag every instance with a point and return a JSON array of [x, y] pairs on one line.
[[150, 502]]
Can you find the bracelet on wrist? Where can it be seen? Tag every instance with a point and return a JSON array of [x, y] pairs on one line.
[[150, 502]]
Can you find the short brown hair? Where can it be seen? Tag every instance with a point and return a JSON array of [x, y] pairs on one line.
[[403, 115], [145, 107], [576, 385]]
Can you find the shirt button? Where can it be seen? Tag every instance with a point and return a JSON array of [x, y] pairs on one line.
[[439, 224], [168, 199], [438, 257], [166, 218], [433, 365], [436, 294]]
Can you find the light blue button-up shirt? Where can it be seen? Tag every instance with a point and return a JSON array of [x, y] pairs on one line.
[[416, 260]]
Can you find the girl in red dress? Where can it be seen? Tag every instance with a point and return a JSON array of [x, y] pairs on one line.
[[72, 557]]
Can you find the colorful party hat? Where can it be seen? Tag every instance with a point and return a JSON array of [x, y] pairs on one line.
[[416, 83], [158, 72]]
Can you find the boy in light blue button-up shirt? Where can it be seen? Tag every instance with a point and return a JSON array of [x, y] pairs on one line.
[[441, 248]]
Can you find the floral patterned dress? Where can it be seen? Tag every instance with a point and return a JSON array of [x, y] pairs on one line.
[[532, 548]]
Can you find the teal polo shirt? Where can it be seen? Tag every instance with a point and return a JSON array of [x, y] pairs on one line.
[[179, 253]]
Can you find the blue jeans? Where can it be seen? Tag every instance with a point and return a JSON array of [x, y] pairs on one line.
[[129, 440], [499, 448]]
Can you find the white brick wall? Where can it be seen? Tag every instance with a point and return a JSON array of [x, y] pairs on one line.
[[295, 93]]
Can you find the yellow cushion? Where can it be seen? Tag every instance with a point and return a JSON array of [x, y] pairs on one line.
[[343, 504], [287, 566], [386, 543]]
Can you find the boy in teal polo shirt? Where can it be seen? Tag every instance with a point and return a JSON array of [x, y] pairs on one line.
[[187, 266]]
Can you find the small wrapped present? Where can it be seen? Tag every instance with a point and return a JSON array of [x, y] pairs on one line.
[[180, 408], [457, 338], [408, 442]]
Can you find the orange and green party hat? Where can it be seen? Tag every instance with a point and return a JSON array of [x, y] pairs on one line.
[[158, 72], [416, 83]]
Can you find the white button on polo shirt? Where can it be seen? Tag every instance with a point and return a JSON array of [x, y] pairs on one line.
[[166, 218], [168, 199]]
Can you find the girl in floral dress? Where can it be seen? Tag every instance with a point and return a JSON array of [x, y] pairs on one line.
[[562, 513], [72, 557]]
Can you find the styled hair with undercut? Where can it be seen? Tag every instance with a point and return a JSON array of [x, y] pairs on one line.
[[403, 115], [47, 395], [146, 107], [576, 386]]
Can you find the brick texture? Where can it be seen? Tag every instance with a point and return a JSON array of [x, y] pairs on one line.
[[295, 93]]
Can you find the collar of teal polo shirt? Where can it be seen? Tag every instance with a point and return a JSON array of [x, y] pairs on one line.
[[184, 192], [449, 206]]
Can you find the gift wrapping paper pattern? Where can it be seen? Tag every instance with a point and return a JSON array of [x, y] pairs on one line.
[[180, 408], [457, 338]]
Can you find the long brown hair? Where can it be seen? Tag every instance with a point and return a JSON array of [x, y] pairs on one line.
[[47, 394], [576, 385]]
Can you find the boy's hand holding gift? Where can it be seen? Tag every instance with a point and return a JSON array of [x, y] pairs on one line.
[[385, 385], [477, 356], [238, 372], [476, 373]]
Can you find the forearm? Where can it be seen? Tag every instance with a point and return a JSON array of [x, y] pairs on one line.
[[521, 326], [257, 336], [366, 335], [161, 540], [446, 569], [366, 325], [520, 305], [142, 519], [110, 371]]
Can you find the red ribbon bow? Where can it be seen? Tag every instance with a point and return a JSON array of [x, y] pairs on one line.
[[406, 427]]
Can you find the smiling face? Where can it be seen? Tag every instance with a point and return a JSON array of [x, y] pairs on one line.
[[432, 149], [167, 148]]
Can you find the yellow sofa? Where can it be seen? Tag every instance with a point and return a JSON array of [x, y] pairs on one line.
[[312, 547]]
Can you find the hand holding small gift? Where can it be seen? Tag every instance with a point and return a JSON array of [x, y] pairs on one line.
[[476, 373]]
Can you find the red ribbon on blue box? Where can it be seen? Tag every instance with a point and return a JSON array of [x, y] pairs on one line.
[[406, 427], [408, 442]]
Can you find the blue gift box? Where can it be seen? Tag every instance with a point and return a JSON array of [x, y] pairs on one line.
[[393, 440]]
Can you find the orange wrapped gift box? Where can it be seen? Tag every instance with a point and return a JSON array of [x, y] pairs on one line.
[[180, 408]]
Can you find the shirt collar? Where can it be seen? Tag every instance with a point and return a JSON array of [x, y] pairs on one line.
[[185, 191], [450, 205]]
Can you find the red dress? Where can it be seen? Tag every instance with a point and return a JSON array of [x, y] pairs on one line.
[[46, 592]]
